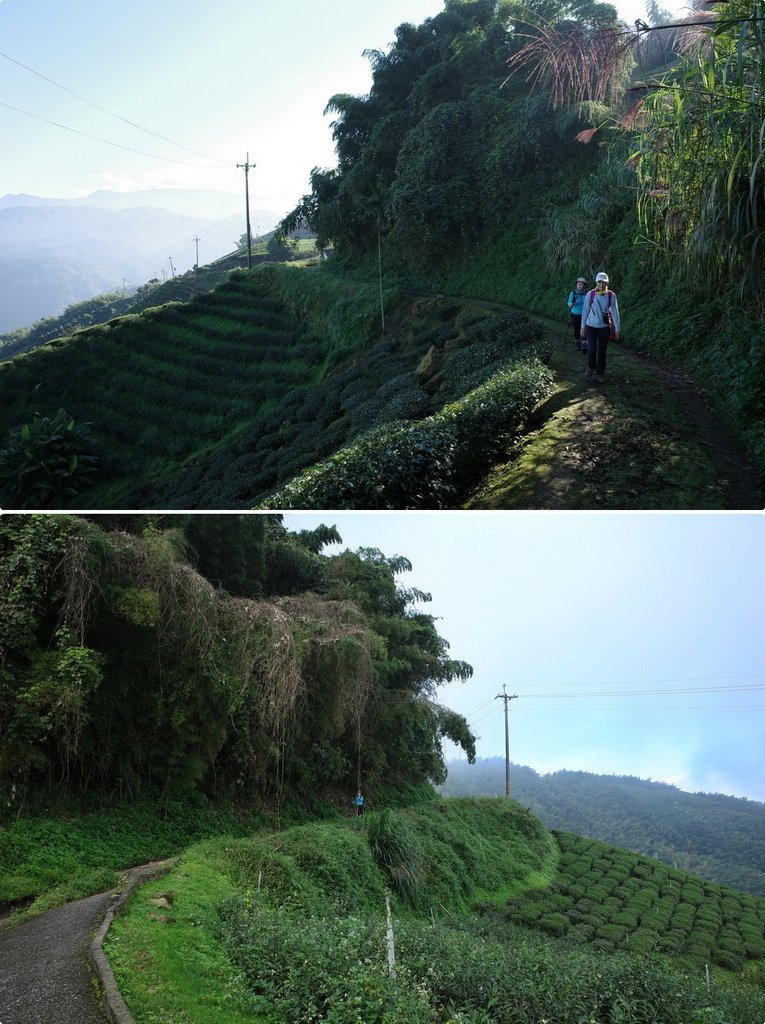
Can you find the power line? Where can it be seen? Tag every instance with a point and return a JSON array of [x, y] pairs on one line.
[[681, 707], [111, 113], [169, 159], [646, 693], [646, 682]]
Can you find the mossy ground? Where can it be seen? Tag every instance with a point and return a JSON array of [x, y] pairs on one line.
[[644, 439]]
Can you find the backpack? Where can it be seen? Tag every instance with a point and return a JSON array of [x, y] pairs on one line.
[[594, 292], [609, 318]]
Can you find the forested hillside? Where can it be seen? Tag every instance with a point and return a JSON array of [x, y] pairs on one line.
[[712, 835], [215, 655]]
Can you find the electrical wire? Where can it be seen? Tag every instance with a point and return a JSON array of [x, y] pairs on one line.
[[111, 113], [645, 682], [684, 707], [646, 693], [118, 145]]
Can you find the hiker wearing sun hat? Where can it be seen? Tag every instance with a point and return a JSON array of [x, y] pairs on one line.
[[575, 304], [600, 323]]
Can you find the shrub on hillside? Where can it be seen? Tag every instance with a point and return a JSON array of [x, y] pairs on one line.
[[46, 462], [423, 464]]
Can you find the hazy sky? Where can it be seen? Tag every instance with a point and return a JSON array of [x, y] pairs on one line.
[[633, 641], [221, 78]]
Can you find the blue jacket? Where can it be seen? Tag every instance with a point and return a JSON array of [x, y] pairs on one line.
[[575, 301]]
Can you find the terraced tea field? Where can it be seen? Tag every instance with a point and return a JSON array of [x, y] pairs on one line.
[[622, 902], [163, 388]]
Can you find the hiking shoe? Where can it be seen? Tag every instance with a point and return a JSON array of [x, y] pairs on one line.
[[589, 372], [599, 379]]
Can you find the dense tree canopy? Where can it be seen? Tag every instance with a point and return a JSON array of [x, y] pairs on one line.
[[436, 146], [217, 652]]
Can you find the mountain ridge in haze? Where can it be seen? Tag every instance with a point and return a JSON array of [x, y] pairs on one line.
[[718, 837], [58, 252]]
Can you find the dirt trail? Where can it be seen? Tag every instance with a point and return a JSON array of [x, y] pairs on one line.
[[647, 438]]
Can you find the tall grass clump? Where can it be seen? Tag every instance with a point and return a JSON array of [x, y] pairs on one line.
[[394, 852]]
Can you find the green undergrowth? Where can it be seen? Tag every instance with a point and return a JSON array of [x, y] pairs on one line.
[[50, 859], [344, 311], [289, 928]]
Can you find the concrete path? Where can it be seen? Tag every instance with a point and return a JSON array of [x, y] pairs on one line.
[[52, 968], [46, 971]]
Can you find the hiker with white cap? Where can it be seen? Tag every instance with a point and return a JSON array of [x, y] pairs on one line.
[[575, 305], [600, 324]]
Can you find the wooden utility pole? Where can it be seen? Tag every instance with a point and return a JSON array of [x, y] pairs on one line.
[[197, 245], [504, 696], [246, 166]]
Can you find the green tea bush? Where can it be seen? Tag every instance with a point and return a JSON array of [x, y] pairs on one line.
[[422, 465], [317, 969], [617, 916]]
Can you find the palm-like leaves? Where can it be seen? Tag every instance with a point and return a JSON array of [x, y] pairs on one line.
[[700, 158], [572, 61]]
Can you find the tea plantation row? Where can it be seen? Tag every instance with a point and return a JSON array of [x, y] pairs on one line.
[[619, 901], [375, 402], [225, 401]]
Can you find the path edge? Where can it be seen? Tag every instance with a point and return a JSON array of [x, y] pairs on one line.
[[114, 1005]]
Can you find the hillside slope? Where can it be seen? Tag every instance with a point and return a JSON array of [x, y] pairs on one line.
[[290, 927], [279, 389], [718, 837]]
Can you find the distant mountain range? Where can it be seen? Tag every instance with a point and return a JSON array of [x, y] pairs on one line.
[[718, 837], [56, 252]]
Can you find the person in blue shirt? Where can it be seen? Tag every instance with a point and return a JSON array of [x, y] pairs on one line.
[[358, 802], [575, 305], [600, 306]]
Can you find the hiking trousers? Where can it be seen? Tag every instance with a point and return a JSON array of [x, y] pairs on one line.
[[597, 343]]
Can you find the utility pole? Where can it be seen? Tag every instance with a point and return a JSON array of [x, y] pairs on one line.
[[172, 268], [247, 165], [197, 244], [504, 696]]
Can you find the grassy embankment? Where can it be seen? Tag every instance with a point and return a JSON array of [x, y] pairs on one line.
[[61, 854], [291, 927]]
